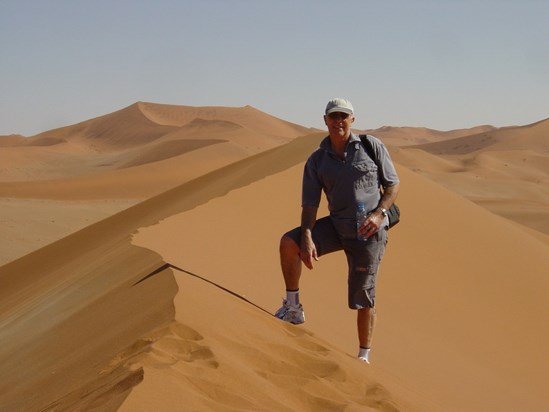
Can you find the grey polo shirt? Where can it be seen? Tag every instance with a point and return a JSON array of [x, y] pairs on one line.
[[347, 182]]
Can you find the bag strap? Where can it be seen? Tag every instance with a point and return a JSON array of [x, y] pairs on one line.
[[370, 151], [368, 147]]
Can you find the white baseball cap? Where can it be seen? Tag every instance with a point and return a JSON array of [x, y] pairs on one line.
[[339, 105]]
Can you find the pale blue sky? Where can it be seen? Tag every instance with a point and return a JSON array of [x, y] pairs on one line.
[[438, 64]]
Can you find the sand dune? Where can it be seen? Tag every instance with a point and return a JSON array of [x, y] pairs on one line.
[[29, 224], [123, 138], [247, 360], [530, 137], [128, 138], [441, 298], [167, 304], [119, 159], [411, 136], [11, 140], [247, 116], [505, 170]]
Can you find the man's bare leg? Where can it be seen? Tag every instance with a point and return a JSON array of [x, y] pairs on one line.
[[290, 262], [365, 320]]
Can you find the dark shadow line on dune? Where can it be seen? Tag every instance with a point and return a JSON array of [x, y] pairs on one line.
[[217, 285]]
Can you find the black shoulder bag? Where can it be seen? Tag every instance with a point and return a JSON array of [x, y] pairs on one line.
[[394, 212]]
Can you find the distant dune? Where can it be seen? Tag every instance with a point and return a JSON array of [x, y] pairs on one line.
[[505, 170], [409, 136], [141, 270], [531, 137], [117, 139], [87, 171]]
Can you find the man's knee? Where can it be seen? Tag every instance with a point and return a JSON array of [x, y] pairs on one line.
[[288, 245]]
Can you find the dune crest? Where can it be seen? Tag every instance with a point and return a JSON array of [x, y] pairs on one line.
[[531, 137], [247, 116], [119, 159], [128, 138], [504, 170], [411, 136]]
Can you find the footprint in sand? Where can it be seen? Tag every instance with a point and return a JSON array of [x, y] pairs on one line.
[[379, 398], [176, 343], [303, 361], [130, 355]]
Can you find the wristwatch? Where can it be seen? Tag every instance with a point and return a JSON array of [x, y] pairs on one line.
[[383, 211]]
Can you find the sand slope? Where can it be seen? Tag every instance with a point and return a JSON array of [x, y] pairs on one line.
[[447, 322], [101, 166], [504, 170], [129, 138], [411, 136]]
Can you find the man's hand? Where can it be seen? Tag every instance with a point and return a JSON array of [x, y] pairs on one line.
[[371, 224], [374, 221], [308, 250]]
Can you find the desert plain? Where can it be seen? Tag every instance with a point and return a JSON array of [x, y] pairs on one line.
[[139, 270]]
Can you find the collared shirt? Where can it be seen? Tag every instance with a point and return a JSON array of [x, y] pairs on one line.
[[347, 182]]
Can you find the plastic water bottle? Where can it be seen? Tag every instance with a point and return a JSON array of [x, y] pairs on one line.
[[361, 216]]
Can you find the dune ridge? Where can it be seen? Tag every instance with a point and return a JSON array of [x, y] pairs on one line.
[[128, 138], [504, 170], [413, 136], [118, 160], [529, 137]]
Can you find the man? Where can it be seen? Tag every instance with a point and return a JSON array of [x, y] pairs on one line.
[[343, 170]]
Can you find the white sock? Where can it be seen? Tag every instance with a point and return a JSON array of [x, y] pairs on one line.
[[363, 354], [292, 297]]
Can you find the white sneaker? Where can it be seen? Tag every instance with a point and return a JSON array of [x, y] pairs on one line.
[[289, 313], [364, 359], [363, 355]]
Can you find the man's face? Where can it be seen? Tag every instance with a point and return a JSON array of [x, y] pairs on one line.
[[339, 124]]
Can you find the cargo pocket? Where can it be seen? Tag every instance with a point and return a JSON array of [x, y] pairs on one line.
[[362, 286]]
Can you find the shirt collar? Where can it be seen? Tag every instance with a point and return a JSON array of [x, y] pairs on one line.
[[354, 138], [326, 145]]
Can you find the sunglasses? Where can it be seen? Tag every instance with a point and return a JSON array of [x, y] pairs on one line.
[[338, 115]]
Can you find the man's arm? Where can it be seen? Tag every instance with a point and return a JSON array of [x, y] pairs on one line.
[[373, 223], [308, 248], [388, 198]]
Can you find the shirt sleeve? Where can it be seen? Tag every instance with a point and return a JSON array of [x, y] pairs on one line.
[[311, 191]]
